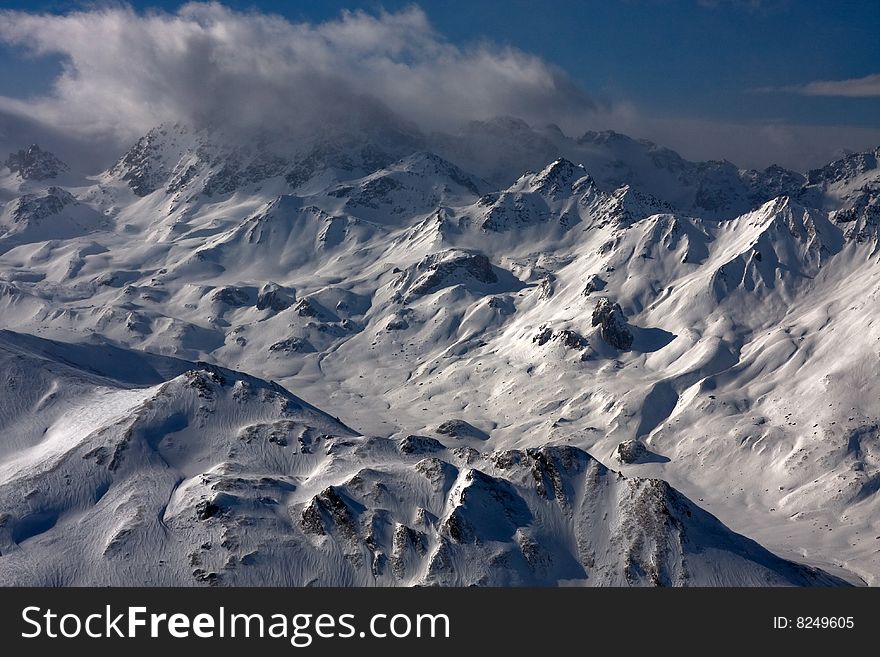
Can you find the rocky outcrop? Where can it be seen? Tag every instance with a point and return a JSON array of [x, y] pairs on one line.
[[419, 445], [461, 429], [571, 339], [33, 163], [231, 296], [557, 178], [292, 345], [274, 297], [631, 451], [546, 287], [305, 308], [566, 337], [33, 207], [609, 317], [595, 283], [845, 169], [143, 166], [860, 219], [440, 270], [397, 324]]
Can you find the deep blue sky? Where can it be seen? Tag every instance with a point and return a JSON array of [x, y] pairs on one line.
[[675, 58]]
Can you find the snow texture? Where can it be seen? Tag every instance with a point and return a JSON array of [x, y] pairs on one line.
[[488, 325]]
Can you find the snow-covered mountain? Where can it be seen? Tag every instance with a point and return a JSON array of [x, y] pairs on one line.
[[492, 324], [33, 163], [123, 467]]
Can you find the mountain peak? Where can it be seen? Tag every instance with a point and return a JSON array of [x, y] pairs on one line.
[[846, 168], [33, 163], [556, 177], [605, 137]]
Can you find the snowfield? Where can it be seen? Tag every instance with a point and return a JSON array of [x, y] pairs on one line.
[[383, 358]]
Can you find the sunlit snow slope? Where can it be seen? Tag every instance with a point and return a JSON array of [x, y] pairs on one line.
[[496, 344]]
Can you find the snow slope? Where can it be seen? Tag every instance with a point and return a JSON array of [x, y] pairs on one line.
[[613, 306], [216, 477]]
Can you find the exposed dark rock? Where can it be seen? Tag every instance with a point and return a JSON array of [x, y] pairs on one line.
[[305, 308], [328, 509], [503, 304], [543, 336], [231, 296], [507, 458], [36, 207], [438, 268], [568, 338], [481, 496], [274, 297], [571, 339], [594, 284], [845, 168], [33, 163], [311, 521], [141, 167], [331, 500], [150, 164], [516, 209], [456, 528], [460, 429], [277, 433], [397, 324], [371, 193], [292, 345], [206, 509], [436, 471], [419, 445], [550, 465], [234, 173], [613, 326], [546, 286], [860, 218], [556, 180], [202, 576], [467, 454], [406, 539], [204, 380], [631, 451]]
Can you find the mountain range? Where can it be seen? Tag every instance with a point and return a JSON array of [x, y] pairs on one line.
[[373, 356]]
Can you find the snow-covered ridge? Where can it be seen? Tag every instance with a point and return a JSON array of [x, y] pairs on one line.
[[473, 315], [214, 477], [33, 163]]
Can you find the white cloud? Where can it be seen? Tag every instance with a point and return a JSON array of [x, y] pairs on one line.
[[866, 87], [127, 71], [755, 144]]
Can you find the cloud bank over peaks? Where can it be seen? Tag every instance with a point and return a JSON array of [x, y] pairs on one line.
[[125, 71]]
